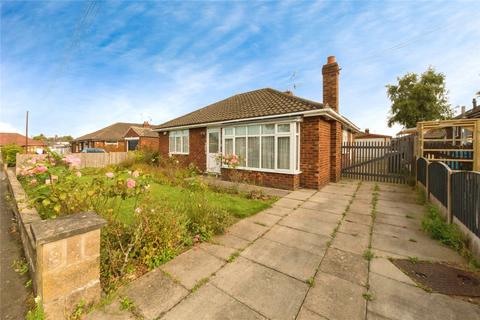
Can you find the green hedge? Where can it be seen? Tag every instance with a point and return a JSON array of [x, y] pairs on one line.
[[9, 154]]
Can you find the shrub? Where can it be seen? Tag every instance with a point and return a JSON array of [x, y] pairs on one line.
[[9, 154]]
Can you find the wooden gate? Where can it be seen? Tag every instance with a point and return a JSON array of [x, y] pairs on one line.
[[391, 161]]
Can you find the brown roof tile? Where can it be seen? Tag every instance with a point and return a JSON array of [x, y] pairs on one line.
[[258, 103], [16, 138], [145, 132], [113, 132]]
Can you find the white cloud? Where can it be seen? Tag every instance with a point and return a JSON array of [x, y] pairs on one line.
[[7, 127]]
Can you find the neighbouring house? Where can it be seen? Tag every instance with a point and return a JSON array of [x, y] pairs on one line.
[[111, 138], [60, 147], [34, 146], [473, 113], [371, 137], [141, 138], [282, 140]]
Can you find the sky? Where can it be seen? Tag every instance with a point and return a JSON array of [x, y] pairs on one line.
[[78, 66]]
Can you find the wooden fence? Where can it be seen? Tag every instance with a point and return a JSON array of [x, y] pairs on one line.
[[378, 161], [87, 160], [466, 199]]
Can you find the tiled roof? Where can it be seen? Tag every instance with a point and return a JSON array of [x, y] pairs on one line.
[[113, 132], [16, 138], [473, 113], [145, 132], [258, 103], [364, 135]]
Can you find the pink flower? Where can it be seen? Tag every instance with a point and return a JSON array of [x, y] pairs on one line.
[[135, 174], [131, 183], [109, 174], [138, 210], [41, 169], [78, 174], [32, 161]]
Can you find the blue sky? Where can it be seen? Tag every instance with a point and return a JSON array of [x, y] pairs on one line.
[[81, 65]]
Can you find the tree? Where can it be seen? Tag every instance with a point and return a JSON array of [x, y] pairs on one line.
[[40, 137], [418, 98]]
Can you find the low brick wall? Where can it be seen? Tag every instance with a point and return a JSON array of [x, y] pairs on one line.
[[63, 254], [266, 179]]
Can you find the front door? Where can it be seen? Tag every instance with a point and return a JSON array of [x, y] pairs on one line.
[[214, 149]]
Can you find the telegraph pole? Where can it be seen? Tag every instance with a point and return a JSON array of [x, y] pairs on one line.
[[26, 133]]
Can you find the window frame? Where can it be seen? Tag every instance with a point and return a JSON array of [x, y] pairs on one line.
[[183, 135], [294, 140]]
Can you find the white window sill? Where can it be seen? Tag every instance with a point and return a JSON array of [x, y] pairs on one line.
[[179, 153], [265, 170]]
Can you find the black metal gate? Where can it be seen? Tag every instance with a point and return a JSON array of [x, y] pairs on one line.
[[392, 161]]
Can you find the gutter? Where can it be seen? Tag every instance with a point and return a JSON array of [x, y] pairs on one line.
[[327, 112]]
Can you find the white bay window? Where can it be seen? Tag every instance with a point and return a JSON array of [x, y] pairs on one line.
[[178, 142], [271, 147]]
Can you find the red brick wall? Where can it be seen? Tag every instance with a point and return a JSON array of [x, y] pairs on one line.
[[197, 154], [330, 73], [315, 152], [267, 179], [119, 147], [149, 143], [335, 151]]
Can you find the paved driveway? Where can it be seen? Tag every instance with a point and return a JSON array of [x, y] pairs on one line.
[[303, 259]]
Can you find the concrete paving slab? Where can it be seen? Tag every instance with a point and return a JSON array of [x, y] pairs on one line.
[[269, 292], [295, 262], [387, 255], [288, 203], [347, 242], [264, 219], [330, 198], [345, 265], [217, 250], [231, 241], [427, 250], [247, 230], [397, 300], [401, 205], [279, 211], [306, 314], [354, 228], [110, 312], [308, 223], [338, 189], [325, 216], [384, 267], [358, 218], [192, 266], [374, 316], [335, 298], [154, 286], [360, 207], [302, 194], [338, 209], [212, 304], [403, 197], [307, 241], [399, 212], [401, 232], [408, 222]]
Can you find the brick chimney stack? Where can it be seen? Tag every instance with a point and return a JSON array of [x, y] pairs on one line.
[[330, 72], [146, 124]]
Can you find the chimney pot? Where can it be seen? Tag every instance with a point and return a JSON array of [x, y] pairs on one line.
[[331, 59], [367, 130], [463, 110], [330, 72], [146, 124], [474, 102], [290, 93]]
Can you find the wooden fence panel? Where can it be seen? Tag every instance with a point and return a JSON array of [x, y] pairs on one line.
[[465, 195], [438, 181]]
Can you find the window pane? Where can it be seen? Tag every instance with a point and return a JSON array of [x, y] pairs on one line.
[[171, 144], [213, 142], [254, 152], [240, 131], [283, 155], [241, 150], [268, 128], [178, 144], [228, 147], [297, 153], [268, 152], [253, 130], [229, 131], [185, 144], [283, 127], [297, 125], [132, 144]]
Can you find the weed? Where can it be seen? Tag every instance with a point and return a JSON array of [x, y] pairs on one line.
[[367, 296], [28, 284], [310, 281], [412, 240], [37, 312], [368, 255], [78, 311], [260, 223], [233, 256], [127, 304], [376, 188], [20, 266], [413, 260], [199, 284], [409, 216], [421, 196]]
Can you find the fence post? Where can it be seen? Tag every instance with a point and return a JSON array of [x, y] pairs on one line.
[[427, 189], [449, 197]]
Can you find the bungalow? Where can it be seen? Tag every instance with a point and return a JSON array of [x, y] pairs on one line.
[[34, 146], [282, 140], [371, 137], [117, 137]]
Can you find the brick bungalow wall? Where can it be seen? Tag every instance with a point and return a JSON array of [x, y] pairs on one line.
[[197, 154], [267, 179], [119, 147], [144, 143]]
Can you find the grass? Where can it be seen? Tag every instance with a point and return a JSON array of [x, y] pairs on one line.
[[20, 266], [127, 304], [310, 281], [199, 284], [233, 256], [368, 255], [367, 296]]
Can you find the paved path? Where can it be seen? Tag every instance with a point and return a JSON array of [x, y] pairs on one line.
[[13, 294], [303, 259]]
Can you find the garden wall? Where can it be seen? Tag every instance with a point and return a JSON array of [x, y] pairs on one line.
[[87, 160], [63, 254]]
